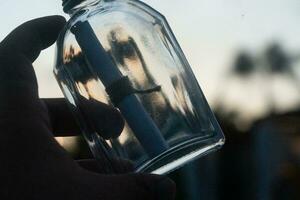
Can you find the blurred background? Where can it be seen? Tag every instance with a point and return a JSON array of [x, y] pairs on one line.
[[246, 57]]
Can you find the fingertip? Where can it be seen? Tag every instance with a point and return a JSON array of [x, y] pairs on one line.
[[57, 20], [118, 123], [106, 120], [108, 124], [60, 18], [52, 27]]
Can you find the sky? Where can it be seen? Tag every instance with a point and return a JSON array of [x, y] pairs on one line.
[[210, 32]]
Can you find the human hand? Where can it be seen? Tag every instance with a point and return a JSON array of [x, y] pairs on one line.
[[33, 165]]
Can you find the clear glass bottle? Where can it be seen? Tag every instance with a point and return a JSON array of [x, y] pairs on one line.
[[123, 53]]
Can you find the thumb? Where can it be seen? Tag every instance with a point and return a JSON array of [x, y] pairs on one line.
[[17, 52], [33, 36]]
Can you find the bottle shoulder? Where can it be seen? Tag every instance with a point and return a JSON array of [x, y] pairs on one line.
[[122, 17]]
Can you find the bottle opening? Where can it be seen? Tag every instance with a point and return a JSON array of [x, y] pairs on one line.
[[70, 5]]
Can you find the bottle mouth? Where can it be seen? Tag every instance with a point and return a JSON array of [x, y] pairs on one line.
[[69, 5]]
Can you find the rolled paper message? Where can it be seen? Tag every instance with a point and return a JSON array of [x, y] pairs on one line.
[[140, 122]]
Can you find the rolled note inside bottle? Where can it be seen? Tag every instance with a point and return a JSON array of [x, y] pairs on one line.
[[133, 111]]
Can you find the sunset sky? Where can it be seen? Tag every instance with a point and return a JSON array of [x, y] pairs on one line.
[[211, 32]]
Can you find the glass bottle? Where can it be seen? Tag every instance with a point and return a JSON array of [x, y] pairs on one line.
[[123, 53]]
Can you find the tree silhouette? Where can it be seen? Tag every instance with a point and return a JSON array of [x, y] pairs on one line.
[[273, 62], [244, 64]]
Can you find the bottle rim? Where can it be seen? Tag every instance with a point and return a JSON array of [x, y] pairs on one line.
[[69, 5]]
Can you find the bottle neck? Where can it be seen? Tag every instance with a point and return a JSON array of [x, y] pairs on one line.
[[72, 6]]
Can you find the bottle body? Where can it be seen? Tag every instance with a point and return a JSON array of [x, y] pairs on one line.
[[174, 123]]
